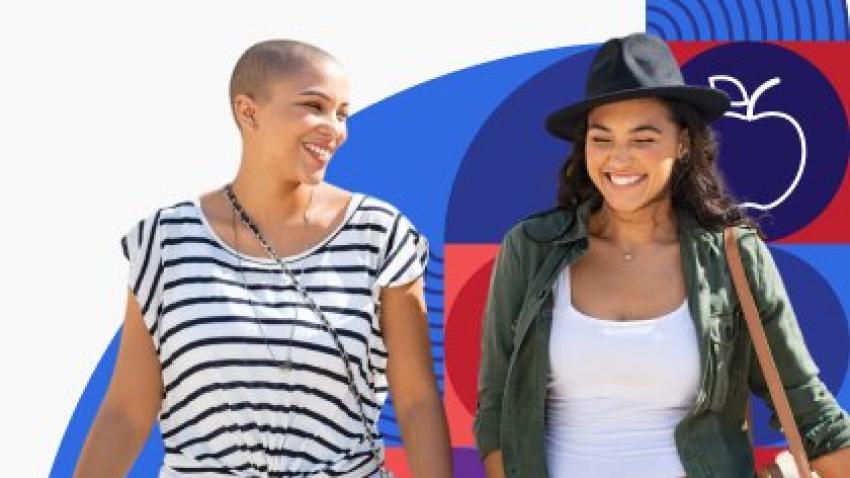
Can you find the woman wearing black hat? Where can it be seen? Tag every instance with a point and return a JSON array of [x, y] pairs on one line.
[[613, 342]]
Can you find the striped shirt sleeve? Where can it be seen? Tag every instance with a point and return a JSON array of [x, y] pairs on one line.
[[142, 246], [405, 255]]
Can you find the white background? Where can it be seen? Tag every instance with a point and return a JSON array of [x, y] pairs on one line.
[[113, 109]]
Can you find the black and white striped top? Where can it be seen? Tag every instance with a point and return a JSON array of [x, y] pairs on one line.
[[222, 322]]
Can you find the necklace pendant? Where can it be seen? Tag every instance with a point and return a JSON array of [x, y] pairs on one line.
[[627, 257]]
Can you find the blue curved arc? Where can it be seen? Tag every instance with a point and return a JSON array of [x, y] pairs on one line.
[[435, 278], [731, 34], [753, 12], [703, 23], [737, 20], [822, 19], [656, 30], [681, 15], [787, 18], [795, 16], [722, 27], [672, 32], [752, 20], [772, 24], [780, 20], [825, 13], [434, 275], [744, 18], [436, 258], [801, 20], [712, 31], [813, 21], [842, 19]]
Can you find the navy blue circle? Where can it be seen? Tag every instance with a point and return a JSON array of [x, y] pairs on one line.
[[511, 167], [823, 324], [760, 158]]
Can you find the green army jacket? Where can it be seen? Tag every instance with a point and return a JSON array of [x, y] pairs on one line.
[[712, 440]]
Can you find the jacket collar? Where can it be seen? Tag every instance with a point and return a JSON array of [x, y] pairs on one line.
[[561, 226]]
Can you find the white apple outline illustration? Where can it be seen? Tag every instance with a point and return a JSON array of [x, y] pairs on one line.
[[750, 104]]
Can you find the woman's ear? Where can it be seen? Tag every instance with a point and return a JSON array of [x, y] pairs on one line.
[[684, 143], [245, 110]]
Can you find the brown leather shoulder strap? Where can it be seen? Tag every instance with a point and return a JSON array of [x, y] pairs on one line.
[[765, 358]]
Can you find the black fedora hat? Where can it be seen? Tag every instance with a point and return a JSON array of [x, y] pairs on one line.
[[635, 66]]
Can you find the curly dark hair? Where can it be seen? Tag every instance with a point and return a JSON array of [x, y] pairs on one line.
[[697, 186]]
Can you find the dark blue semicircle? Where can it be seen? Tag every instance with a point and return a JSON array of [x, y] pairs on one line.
[[823, 323], [511, 168], [407, 149]]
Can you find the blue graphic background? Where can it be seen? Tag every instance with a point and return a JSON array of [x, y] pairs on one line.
[[473, 158], [745, 20]]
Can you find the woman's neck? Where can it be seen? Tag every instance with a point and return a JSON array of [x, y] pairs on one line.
[[652, 224], [268, 199]]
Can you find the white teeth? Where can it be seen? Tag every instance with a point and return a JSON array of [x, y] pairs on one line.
[[318, 150], [624, 180]]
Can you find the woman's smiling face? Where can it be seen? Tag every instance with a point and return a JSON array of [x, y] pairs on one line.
[[631, 146], [301, 122]]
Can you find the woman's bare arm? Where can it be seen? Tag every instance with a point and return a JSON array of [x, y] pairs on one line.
[[414, 388], [130, 407]]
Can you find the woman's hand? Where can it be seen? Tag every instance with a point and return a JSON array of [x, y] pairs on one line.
[[131, 404], [493, 466], [417, 402], [833, 465]]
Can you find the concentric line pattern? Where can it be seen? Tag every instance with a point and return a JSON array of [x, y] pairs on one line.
[[388, 423], [707, 20]]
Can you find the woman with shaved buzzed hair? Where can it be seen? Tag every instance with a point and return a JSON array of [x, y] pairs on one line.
[[267, 320]]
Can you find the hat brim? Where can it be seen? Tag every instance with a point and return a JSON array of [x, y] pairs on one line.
[[711, 104]]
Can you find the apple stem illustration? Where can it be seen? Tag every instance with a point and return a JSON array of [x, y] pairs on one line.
[[756, 94]]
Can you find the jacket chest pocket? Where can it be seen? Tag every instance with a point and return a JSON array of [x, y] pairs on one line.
[[725, 349]]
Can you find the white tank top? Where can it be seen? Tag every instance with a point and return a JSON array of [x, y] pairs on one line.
[[617, 390]]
